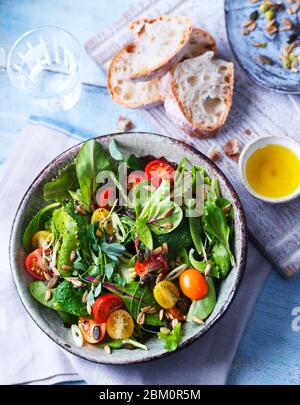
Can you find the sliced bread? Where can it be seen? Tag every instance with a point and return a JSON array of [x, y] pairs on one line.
[[200, 42], [160, 43], [198, 94], [126, 92]]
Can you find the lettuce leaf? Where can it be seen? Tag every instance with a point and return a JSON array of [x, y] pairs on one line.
[[58, 188], [171, 339]]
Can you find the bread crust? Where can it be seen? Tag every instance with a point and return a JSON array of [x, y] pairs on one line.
[[151, 102], [138, 28]]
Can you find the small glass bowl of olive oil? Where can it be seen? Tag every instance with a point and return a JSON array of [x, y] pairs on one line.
[[270, 169]]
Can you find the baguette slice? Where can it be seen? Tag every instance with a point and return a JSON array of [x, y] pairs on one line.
[[200, 42], [198, 94], [160, 43], [125, 92], [132, 94]]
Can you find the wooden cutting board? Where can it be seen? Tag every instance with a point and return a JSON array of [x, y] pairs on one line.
[[256, 112]]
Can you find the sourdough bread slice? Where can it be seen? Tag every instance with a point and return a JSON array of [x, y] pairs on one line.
[[126, 92], [160, 43], [198, 94], [200, 42]]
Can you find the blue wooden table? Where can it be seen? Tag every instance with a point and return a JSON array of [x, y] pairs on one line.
[[269, 352]]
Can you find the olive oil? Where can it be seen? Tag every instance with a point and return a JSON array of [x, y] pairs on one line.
[[273, 171]]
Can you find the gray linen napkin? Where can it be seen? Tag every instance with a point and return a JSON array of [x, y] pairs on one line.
[[29, 356]]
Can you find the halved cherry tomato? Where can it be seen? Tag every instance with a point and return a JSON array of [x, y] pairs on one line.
[[106, 196], [91, 331], [193, 284], [41, 239], [158, 169], [105, 305], [166, 294], [135, 178], [120, 325], [158, 261], [35, 264], [100, 215]]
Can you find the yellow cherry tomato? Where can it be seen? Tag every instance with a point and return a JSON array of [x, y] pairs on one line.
[[41, 239], [166, 294], [120, 325], [100, 215]]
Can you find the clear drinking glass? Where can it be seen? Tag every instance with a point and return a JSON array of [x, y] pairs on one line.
[[44, 64]]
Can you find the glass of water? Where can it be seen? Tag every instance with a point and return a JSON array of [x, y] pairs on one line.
[[44, 64]]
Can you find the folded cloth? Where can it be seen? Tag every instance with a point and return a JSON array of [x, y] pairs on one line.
[[29, 356]]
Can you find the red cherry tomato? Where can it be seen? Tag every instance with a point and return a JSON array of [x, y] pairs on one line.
[[193, 284], [135, 178], [106, 196], [158, 260], [35, 264], [105, 305], [156, 170]]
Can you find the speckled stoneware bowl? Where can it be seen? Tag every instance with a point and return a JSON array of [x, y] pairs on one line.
[[141, 144]]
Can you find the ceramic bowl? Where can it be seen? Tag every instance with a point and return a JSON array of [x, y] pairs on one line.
[[260, 143], [141, 144]]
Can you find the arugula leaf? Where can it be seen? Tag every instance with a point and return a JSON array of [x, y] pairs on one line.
[[77, 197], [114, 151], [171, 339], [176, 239], [90, 160], [58, 188], [216, 227], [134, 298], [171, 222], [36, 224], [134, 162], [144, 233], [204, 307], [67, 228]]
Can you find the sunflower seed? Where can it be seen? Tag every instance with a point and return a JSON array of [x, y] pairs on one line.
[[159, 278], [84, 297], [208, 268], [264, 60], [146, 309], [226, 208], [47, 276], [164, 330], [73, 256], [167, 315], [161, 315], [171, 316], [152, 310], [80, 210], [260, 44], [140, 319], [48, 295], [52, 283], [287, 24], [107, 349], [166, 225], [165, 247], [197, 320], [55, 272], [75, 281], [89, 309], [174, 323], [66, 267], [245, 31], [158, 250]]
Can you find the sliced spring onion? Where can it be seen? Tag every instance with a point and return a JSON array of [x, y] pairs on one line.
[[77, 335]]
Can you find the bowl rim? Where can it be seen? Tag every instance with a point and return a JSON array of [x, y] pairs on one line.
[[243, 259], [248, 151]]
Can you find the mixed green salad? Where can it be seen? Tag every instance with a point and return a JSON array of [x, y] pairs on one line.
[[118, 268]]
